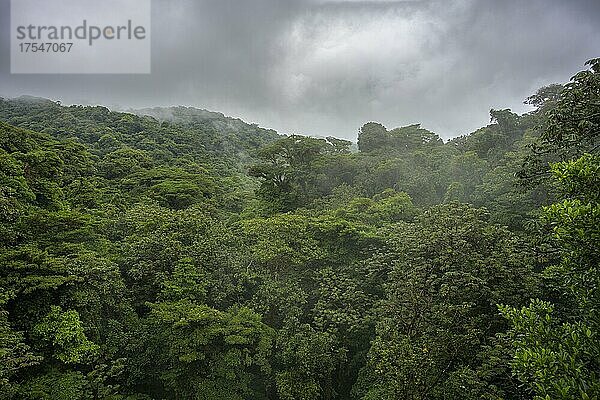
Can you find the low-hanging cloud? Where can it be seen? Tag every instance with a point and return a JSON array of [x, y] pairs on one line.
[[325, 67]]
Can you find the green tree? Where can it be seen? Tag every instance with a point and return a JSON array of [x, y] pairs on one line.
[[557, 354], [556, 349], [373, 136], [447, 273], [188, 350]]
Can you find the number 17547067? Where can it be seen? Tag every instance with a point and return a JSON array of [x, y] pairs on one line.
[[46, 47]]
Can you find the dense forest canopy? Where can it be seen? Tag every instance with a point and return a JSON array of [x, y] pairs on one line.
[[175, 253]]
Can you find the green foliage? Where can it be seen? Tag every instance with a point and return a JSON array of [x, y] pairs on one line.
[[385, 207], [448, 272], [306, 362], [182, 254], [375, 137], [571, 126], [556, 361], [199, 352], [15, 356], [372, 136], [63, 332], [545, 97], [57, 385], [289, 168], [556, 349]]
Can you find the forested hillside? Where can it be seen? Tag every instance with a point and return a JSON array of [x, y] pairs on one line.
[[175, 253]]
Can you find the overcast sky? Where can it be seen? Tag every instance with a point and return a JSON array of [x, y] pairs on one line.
[[323, 67]]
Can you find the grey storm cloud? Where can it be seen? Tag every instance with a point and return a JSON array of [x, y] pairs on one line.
[[323, 67]]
